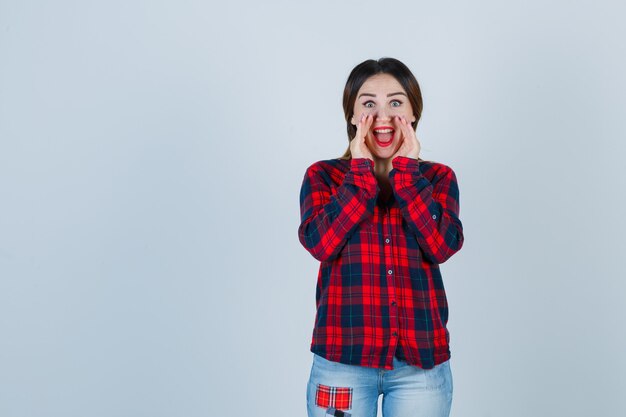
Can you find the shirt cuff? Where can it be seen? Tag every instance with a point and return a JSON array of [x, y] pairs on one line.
[[361, 165], [404, 163]]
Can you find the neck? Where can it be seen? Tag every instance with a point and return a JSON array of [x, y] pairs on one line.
[[382, 167]]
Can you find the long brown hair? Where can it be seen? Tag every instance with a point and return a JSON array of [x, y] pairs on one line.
[[371, 67]]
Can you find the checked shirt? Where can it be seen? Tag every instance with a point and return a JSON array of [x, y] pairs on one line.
[[379, 289]]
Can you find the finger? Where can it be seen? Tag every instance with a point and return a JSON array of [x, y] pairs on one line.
[[397, 121], [414, 143], [365, 126], [407, 129], [368, 122], [360, 128], [400, 126]]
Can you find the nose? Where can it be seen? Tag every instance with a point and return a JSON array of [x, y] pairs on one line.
[[383, 115]]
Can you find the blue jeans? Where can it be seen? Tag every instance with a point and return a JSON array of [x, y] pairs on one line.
[[337, 389]]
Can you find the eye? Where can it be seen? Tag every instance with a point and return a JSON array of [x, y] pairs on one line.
[[368, 104], [396, 103]]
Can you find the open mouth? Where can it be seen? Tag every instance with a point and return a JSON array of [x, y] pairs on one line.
[[383, 135]]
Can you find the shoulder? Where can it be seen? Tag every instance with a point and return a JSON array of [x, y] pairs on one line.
[[331, 164], [332, 169]]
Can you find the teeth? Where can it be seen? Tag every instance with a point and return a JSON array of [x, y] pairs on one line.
[[384, 131]]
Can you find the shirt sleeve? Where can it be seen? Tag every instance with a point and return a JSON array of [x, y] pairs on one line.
[[431, 210], [328, 218]]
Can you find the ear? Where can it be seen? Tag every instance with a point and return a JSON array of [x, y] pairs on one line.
[[352, 121], [413, 119]]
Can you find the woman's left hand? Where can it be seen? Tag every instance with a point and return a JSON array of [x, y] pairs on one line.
[[410, 146]]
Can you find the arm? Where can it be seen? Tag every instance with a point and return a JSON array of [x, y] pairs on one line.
[[328, 220], [431, 210]]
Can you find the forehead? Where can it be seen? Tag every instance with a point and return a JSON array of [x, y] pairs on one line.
[[381, 84]]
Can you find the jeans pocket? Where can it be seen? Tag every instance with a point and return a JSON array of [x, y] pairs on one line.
[[439, 377]]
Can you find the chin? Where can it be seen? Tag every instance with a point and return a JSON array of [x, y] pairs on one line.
[[384, 155]]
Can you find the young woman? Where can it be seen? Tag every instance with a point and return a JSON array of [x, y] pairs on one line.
[[380, 220]]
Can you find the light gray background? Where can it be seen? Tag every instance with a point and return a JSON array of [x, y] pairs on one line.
[[151, 155]]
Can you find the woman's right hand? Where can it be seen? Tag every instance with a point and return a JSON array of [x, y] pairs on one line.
[[358, 147]]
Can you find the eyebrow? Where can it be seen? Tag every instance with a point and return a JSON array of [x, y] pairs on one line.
[[388, 95]]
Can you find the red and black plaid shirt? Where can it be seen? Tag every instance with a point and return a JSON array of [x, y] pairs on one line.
[[379, 289]]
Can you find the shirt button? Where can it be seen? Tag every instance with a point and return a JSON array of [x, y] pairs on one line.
[[394, 334], [393, 303], [387, 240], [390, 272], [434, 216]]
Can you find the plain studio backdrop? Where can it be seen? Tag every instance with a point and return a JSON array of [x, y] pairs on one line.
[[151, 157]]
